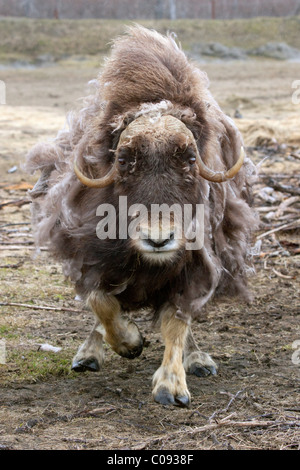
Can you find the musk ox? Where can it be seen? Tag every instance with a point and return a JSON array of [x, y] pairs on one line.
[[153, 135]]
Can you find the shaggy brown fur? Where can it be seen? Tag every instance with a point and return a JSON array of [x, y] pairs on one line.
[[145, 71], [144, 68]]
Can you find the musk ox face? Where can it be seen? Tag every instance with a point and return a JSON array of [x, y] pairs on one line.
[[157, 172], [158, 169], [160, 135]]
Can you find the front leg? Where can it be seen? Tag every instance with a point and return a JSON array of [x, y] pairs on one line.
[[122, 335], [90, 355], [169, 380]]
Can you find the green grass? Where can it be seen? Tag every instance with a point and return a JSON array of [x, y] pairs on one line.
[[24, 363], [27, 39], [7, 332], [35, 366]]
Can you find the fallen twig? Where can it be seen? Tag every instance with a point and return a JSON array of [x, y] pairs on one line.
[[283, 188], [284, 276], [16, 223], [232, 398], [20, 247], [285, 204], [107, 409], [19, 186], [223, 423], [18, 203], [293, 224], [12, 266], [40, 307], [23, 243], [277, 176]]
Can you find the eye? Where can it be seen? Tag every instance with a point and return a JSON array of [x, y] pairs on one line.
[[122, 161], [192, 160], [190, 157], [123, 157]]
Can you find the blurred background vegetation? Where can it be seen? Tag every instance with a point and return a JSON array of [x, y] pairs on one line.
[[33, 39], [41, 31]]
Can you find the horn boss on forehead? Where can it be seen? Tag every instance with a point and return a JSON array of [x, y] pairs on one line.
[[167, 126]]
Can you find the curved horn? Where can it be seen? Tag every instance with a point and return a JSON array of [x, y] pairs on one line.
[[219, 176], [90, 182], [98, 182]]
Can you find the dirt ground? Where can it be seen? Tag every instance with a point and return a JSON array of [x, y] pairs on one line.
[[253, 403]]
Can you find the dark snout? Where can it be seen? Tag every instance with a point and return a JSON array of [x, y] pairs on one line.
[[161, 242]]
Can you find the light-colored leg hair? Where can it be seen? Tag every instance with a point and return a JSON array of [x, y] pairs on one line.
[[121, 334], [169, 381], [195, 361], [90, 355]]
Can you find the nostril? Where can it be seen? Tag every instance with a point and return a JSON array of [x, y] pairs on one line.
[[159, 243]]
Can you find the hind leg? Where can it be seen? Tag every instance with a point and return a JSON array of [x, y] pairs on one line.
[[122, 335], [195, 361]]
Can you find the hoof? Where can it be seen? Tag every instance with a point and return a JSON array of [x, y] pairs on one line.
[[165, 397], [133, 352], [91, 364], [201, 371], [200, 364]]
